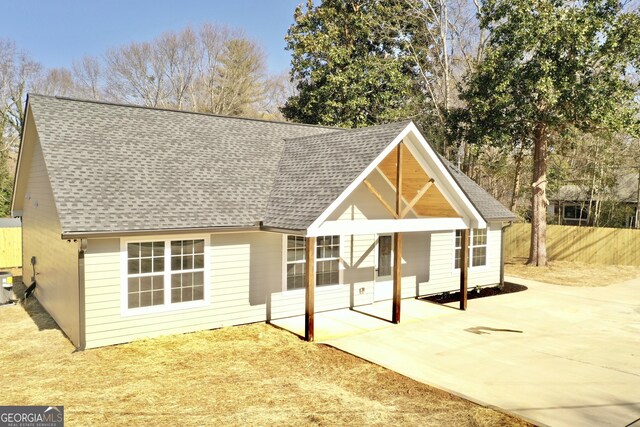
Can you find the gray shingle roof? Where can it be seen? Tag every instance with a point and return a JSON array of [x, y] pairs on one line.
[[117, 168], [625, 190], [315, 170], [487, 205]]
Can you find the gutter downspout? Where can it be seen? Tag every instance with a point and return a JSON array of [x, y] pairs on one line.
[[82, 342], [502, 252]]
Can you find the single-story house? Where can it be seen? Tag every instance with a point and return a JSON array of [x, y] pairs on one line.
[[571, 203], [141, 222]]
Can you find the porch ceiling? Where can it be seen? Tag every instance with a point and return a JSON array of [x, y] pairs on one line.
[[432, 203]]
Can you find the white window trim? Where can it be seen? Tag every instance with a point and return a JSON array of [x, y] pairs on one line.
[[319, 289], [168, 306], [477, 267]]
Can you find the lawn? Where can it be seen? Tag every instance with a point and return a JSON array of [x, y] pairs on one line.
[[569, 273], [245, 375]]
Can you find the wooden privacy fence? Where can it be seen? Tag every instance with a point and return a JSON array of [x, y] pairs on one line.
[[10, 247], [591, 245]]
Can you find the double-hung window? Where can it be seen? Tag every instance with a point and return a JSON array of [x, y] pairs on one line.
[[295, 262], [164, 274], [327, 261], [477, 247]]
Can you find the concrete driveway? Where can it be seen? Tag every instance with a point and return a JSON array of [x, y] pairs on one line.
[[561, 356]]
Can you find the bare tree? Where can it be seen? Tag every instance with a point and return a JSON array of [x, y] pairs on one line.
[[214, 70], [212, 41], [179, 54], [277, 90], [56, 82], [232, 76], [87, 73], [455, 44], [17, 74], [135, 74]]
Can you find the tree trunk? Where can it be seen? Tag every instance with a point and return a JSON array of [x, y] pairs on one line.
[[539, 202], [638, 203], [592, 193], [516, 181]]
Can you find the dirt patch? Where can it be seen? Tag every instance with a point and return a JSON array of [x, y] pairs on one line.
[[244, 375], [448, 297], [567, 273]]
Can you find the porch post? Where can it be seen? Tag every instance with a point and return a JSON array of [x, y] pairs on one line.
[[309, 286], [397, 243], [397, 276], [464, 267]]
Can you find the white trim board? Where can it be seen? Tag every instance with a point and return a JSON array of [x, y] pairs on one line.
[[385, 226]]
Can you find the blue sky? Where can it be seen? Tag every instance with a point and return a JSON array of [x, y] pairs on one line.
[[55, 32]]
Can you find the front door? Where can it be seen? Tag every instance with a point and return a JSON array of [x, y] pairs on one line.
[[383, 289]]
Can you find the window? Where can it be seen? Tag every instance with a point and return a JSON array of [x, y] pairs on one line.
[[164, 273], [575, 212], [295, 262], [145, 269], [477, 247], [187, 270], [327, 261]]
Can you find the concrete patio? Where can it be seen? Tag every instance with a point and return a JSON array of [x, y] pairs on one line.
[[344, 323], [561, 356]]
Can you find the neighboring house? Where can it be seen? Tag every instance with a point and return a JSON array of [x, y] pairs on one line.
[[571, 203], [145, 222]]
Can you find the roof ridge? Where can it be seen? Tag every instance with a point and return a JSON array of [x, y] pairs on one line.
[[336, 131], [174, 110]]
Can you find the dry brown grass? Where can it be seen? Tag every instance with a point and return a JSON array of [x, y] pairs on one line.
[[245, 375], [568, 273]]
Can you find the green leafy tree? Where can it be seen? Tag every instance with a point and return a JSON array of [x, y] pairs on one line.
[[552, 67], [350, 63]]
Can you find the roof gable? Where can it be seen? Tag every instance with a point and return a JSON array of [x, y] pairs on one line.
[[427, 160]]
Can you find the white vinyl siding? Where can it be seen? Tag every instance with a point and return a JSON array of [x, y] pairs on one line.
[[443, 277], [56, 259], [358, 251], [245, 285]]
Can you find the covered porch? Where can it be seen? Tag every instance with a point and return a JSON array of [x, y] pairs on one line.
[[406, 190]]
